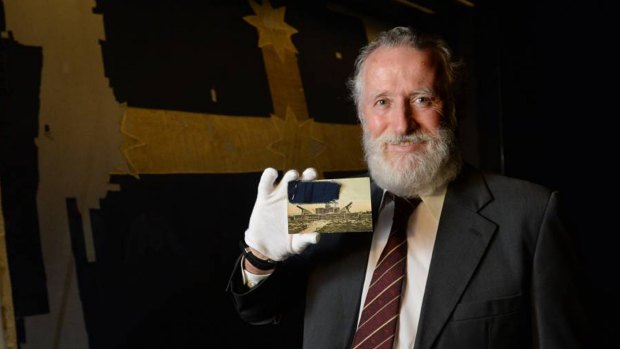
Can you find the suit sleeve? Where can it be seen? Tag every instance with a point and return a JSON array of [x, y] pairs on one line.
[[559, 318], [282, 292]]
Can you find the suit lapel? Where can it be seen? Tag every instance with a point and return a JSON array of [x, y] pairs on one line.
[[462, 238], [350, 270]]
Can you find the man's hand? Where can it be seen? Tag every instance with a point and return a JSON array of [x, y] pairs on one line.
[[268, 229]]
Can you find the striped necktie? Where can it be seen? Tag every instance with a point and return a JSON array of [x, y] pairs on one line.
[[377, 326]]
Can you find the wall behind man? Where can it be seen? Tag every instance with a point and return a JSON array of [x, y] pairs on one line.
[[556, 131], [156, 118]]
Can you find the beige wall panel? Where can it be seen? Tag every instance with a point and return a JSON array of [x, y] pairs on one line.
[[76, 156]]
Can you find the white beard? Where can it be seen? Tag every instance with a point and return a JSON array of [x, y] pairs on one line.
[[417, 173]]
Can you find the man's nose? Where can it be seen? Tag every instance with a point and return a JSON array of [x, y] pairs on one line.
[[402, 120]]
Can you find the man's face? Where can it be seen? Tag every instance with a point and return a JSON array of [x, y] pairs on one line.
[[401, 113], [398, 96]]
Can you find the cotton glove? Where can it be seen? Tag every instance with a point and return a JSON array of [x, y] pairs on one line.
[[268, 228]]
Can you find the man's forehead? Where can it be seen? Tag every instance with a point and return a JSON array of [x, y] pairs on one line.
[[386, 78], [397, 62]]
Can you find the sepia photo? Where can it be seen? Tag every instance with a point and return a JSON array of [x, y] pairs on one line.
[[350, 212]]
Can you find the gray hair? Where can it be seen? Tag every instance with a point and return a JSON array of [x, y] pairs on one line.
[[447, 68]]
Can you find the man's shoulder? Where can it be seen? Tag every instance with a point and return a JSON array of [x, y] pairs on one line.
[[503, 185], [497, 196]]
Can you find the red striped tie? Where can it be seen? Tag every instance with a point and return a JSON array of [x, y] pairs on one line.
[[379, 318]]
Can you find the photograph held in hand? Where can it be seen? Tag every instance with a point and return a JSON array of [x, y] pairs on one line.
[[330, 206]]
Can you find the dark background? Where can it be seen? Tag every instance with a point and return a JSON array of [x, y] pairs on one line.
[[538, 108]]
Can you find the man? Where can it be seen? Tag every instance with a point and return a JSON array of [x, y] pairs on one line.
[[488, 263]]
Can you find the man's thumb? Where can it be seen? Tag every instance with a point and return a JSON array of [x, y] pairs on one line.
[[302, 240]]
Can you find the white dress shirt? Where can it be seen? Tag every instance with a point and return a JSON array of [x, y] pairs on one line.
[[421, 233]]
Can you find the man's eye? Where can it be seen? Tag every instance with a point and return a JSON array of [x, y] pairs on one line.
[[381, 102], [423, 101]]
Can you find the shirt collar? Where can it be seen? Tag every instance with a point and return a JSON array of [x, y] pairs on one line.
[[433, 201]]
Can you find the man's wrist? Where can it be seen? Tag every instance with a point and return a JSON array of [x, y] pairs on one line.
[[249, 267], [255, 262]]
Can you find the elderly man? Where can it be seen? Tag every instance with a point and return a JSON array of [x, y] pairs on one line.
[[458, 258]]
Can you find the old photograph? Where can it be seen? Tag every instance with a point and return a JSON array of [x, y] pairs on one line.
[[351, 212]]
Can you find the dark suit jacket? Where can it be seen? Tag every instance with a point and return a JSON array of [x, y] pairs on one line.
[[502, 275]]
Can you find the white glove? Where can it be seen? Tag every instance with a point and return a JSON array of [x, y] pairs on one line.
[[268, 229]]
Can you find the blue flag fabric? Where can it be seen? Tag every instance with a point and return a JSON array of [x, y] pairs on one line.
[[300, 192]]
